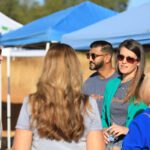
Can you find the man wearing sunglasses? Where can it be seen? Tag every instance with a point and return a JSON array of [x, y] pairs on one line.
[[100, 60]]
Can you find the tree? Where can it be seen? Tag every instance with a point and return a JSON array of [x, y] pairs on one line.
[[29, 10], [117, 5]]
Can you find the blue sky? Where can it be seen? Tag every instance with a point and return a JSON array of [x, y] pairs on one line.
[[41, 1], [135, 3]]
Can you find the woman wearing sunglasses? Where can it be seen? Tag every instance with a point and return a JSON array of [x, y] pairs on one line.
[[121, 97]]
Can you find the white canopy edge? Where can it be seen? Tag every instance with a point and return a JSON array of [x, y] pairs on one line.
[[15, 52], [19, 52], [8, 24]]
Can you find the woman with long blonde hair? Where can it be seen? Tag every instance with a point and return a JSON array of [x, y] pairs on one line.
[[57, 116]]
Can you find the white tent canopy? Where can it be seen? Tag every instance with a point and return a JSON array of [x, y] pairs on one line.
[[19, 52], [7, 24], [9, 53]]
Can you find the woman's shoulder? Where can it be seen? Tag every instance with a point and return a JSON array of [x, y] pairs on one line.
[[116, 79], [137, 105], [26, 105], [113, 83], [92, 102], [144, 116], [26, 100], [92, 107], [92, 116]]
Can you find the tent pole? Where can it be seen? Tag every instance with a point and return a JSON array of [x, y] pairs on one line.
[[47, 46], [8, 104], [0, 90], [0, 104]]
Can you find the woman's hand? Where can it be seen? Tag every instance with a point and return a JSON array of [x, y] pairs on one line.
[[117, 130], [106, 135]]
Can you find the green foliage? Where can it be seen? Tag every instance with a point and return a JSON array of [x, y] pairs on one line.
[[31, 10], [117, 5], [9, 7]]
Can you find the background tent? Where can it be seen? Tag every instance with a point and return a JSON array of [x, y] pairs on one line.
[[7, 24], [19, 53], [136, 3], [47, 29], [52, 27], [134, 23]]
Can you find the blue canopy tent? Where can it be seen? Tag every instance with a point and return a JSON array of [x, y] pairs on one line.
[[52, 27], [134, 23]]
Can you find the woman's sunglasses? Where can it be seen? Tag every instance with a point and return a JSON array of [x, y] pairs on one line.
[[92, 55], [129, 59]]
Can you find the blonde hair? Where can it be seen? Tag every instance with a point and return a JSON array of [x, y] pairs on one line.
[[145, 90], [57, 104]]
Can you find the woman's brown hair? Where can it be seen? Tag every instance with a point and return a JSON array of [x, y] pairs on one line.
[[56, 106]]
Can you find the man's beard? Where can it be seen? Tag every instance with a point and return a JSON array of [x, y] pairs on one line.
[[94, 66]]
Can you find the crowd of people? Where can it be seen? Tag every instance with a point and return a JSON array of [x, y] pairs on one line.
[[109, 111]]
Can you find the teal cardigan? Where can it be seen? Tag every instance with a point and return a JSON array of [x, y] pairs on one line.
[[133, 109]]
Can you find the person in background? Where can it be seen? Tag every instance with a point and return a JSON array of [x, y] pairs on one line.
[[58, 116], [1, 58], [121, 99], [100, 59], [138, 136]]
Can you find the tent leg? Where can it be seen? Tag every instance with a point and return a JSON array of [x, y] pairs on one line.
[[8, 106], [47, 46], [0, 105]]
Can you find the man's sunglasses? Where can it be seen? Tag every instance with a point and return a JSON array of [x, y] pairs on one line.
[[92, 55], [129, 59]]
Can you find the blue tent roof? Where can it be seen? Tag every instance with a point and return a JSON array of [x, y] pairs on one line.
[[52, 27], [134, 23]]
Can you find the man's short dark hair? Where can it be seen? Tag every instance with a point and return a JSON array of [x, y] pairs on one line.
[[106, 46]]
